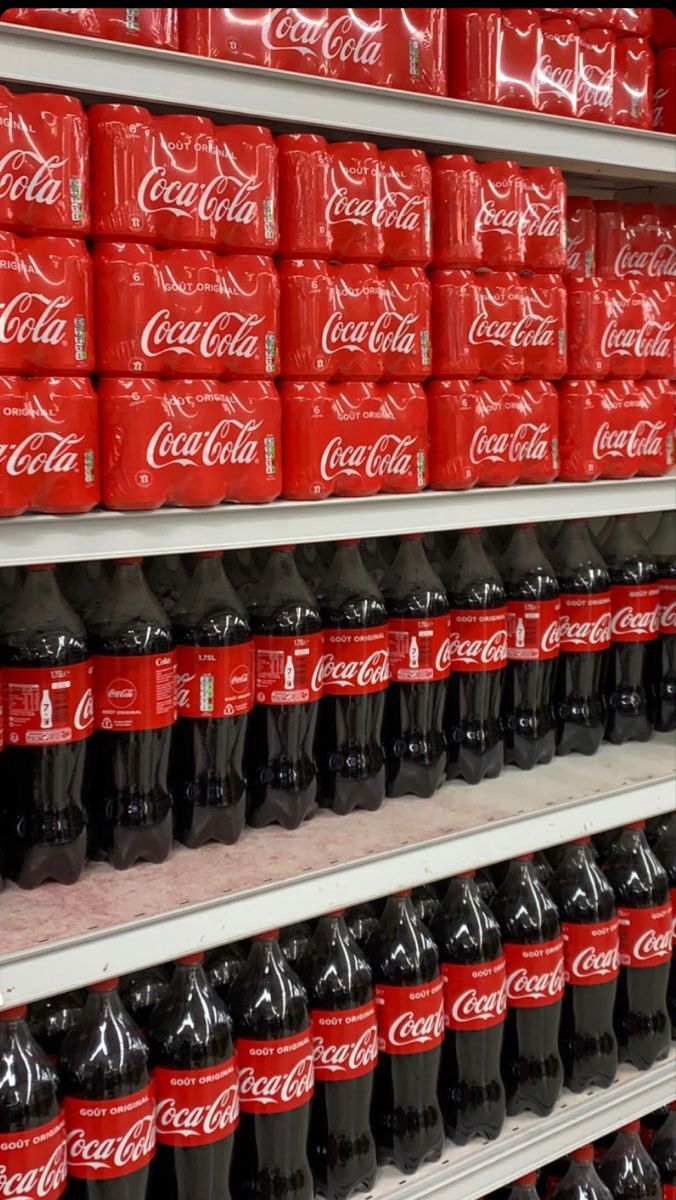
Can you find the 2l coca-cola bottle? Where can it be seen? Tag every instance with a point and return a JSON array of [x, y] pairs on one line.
[[634, 599], [665, 852], [663, 549], [627, 1169], [581, 1181], [663, 1153]]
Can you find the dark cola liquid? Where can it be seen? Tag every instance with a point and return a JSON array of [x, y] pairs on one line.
[[663, 686], [27, 1082], [207, 755], [362, 923], [282, 775], [167, 579], [663, 1151], [581, 1182], [50, 1020], [642, 1022], [44, 822], [665, 853], [579, 702], [471, 1092], [222, 967], [141, 991], [631, 665], [527, 703], [340, 1144], [473, 725], [587, 1039], [84, 584], [128, 794], [350, 754], [414, 738], [627, 1170], [294, 942]]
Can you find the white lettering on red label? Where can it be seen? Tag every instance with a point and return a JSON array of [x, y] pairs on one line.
[[410, 1018], [667, 606], [49, 706], [33, 1163], [645, 935], [288, 669], [584, 622], [591, 952], [110, 1138], [532, 630], [215, 681], [196, 1107], [356, 661], [134, 692], [478, 639], [634, 612], [476, 994], [420, 649], [275, 1076], [535, 974], [345, 1042]]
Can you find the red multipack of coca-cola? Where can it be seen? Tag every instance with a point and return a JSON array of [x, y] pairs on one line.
[[558, 68], [634, 240], [492, 432], [49, 445], [353, 439], [634, 83], [181, 180], [615, 430], [46, 315], [621, 328], [354, 321], [498, 324], [190, 442], [664, 100], [44, 164], [185, 312], [349, 201], [596, 75], [580, 237], [139, 26]]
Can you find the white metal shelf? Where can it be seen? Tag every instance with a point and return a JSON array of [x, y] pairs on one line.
[[38, 538], [472, 1171], [99, 70], [113, 922]]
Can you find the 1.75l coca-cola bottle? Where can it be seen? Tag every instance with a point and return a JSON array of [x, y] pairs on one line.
[[634, 600]]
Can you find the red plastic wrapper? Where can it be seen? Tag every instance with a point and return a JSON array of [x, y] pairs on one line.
[[634, 83], [492, 432], [615, 430], [500, 219], [664, 109], [472, 53], [543, 220], [499, 324], [44, 164], [516, 59], [621, 328], [184, 313], [191, 442], [49, 445], [596, 75], [353, 439], [181, 180], [457, 202], [139, 26], [558, 68], [46, 314], [664, 28], [354, 321], [580, 237], [633, 241]]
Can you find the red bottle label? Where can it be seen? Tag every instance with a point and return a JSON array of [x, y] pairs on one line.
[[356, 661], [476, 994], [132, 693], [591, 952], [669, 1191], [410, 1019], [288, 669], [195, 1108], [584, 623], [346, 1042], [667, 606], [535, 974], [215, 681], [48, 706], [275, 1076], [478, 639], [673, 914], [635, 612], [110, 1138], [420, 649], [33, 1163], [645, 935], [532, 630]]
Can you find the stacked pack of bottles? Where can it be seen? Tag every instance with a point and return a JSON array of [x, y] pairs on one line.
[[594, 63], [182, 703], [458, 1005]]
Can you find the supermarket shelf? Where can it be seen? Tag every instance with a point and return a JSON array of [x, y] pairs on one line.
[[98, 70], [113, 922], [173, 530], [528, 1142]]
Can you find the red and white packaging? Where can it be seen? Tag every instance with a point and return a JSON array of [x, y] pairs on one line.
[[419, 649], [500, 223], [215, 681], [580, 237], [412, 45], [405, 211], [664, 107], [457, 201], [478, 639], [46, 314], [615, 430], [635, 612], [345, 1042], [535, 973], [178, 313], [275, 1076], [475, 994], [108, 1139], [634, 83], [33, 1162], [354, 321], [181, 180], [196, 1107], [659, 337], [139, 26], [532, 630], [133, 692], [645, 936], [356, 661], [492, 432], [473, 35], [44, 164], [591, 952], [289, 669], [191, 442], [632, 241], [596, 75], [353, 439], [609, 320], [352, 202], [584, 622], [632, 22], [543, 219], [68, 692], [288, 39], [514, 59], [558, 68], [667, 616], [411, 1017]]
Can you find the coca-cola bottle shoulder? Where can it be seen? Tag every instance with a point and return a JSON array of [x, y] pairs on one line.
[[49, 1021], [167, 578], [362, 923], [140, 992], [222, 966], [355, 675], [471, 1092], [525, 1188], [84, 584], [343, 1013], [406, 1118], [627, 1169], [294, 942], [195, 1077], [419, 649], [634, 599], [32, 1127], [134, 711], [288, 644], [591, 947], [663, 1153], [426, 903], [665, 852], [663, 686], [47, 682], [581, 1181], [273, 1039]]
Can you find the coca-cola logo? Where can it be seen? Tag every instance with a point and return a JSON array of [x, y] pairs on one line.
[[652, 944], [476, 1005], [46, 1180], [594, 86], [221, 198], [646, 439], [278, 1089], [653, 339], [395, 210], [574, 253], [84, 713], [229, 442], [287, 29], [592, 962], [240, 681], [529, 442], [121, 693], [32, 317], [542, 220], [392, 332], [550, 637], [488, 651], [408, 1029], [443, 660], [561, 79], [112, 1153], [348, 1057], [585, 633], [667, 617], [627, 619], [528, 330], [497, 216], [372, 670], [542, 985], [658, 261], [227, 333], [200, 1120], [26, 175], [387, 455], [43, 453]]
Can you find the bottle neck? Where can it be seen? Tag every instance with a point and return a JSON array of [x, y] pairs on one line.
[[129, 575], [40, 585]]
